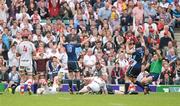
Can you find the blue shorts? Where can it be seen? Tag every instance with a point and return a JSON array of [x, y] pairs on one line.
[[73, 66], [155, 76], [134, 71]]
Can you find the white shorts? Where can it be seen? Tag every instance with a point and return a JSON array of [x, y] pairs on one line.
[[52, 90], [26, 65], [40, 91], [94, 86]]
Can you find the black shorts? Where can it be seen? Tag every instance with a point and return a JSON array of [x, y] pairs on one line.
[[73, 66], [134, 71]]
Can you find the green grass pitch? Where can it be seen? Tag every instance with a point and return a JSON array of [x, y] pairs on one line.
[[65, 99]]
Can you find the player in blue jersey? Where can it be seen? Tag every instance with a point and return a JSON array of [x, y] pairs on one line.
[[73, 68], [135, 64]]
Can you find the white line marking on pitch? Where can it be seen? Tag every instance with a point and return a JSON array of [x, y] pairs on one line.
[[116, 104]]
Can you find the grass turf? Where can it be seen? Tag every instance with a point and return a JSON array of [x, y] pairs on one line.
[[64, 99]]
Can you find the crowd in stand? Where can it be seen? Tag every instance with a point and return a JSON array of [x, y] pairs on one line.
[[107, 29]]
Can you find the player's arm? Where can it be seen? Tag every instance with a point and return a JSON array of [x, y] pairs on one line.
[[33, 50], [87, 80], [142, 40], [17, 53], [87, 40], [128, 49], [159, 54]]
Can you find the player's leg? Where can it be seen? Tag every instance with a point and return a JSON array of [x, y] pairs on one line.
[[127, 83], [13, 86], [70, 81], [75, 67], [134, 73], [85, 89], [60, 77], [29, 71], [77, 80], [149, 79], [35, 84], [71, 76], [127, 80]]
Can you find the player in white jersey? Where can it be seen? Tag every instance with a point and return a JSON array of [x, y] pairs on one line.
[[46, 90], [26, 50], [95, 85]]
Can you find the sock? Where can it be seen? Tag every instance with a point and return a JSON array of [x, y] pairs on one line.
[[139, 84], [35, 88], [13, 89], [126, 88], [147, 86], [70, 84], [78, 85]]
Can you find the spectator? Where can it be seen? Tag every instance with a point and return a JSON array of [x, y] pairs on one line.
[[164, 41], [13, 59], [138, 13], [65, 11], [54, 7], [177, 72], [43, 10], [3, 71], [35, 17], [14, 79], [117, 75], [166, 76], [7, 42], [53, 67], [150, 11], [89, 62], [150, 27], [164, 4], [104, 13], [4, 11], [14, 29], [98, 4], [31, 9], [176, 15]]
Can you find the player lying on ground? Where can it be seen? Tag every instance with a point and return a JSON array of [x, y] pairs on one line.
[[48, 88], [94, 85]]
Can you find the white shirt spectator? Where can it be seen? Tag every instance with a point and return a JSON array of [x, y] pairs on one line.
[[28, 26], [20, 16], [14, 30], [146, 28], [13, 60], [89, 60], [53, 52], [164, 5], [3, 12]]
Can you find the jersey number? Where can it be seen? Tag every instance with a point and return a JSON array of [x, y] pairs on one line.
[[24, 49]]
